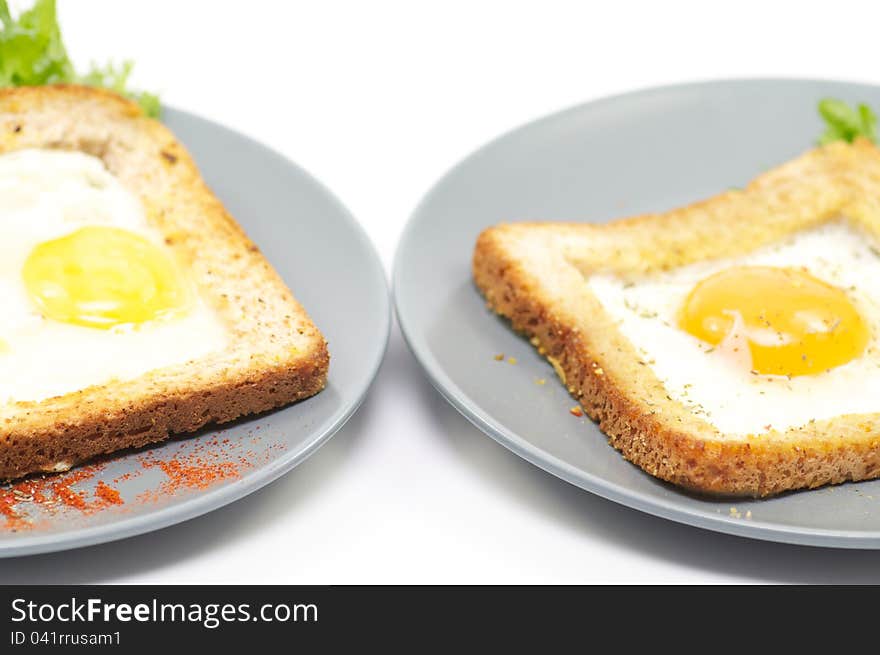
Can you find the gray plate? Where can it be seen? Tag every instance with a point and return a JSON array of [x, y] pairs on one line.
[[325, 257], [641, 152]]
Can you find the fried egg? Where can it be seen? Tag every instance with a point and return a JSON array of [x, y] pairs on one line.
[[775, 339], [89, 290]]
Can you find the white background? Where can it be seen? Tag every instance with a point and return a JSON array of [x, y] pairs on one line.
[[377, 100]]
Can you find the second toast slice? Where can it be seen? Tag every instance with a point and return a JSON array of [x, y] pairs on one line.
[[539, 275]]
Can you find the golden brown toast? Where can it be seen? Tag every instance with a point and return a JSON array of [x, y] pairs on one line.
[[536, 275], [275, 355]]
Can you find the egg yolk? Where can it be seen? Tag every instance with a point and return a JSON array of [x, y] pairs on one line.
[[793, 323], [103, 276]]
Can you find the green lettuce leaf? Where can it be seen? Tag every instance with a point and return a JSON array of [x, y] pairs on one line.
[[844, 123], [32, 53]]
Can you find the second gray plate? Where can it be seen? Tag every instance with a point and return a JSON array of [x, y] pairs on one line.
[[642, 152]]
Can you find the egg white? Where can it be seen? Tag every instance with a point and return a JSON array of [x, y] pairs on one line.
[[716, 383], [46, 194]]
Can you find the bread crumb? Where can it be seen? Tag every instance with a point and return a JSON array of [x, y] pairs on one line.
[[749, 514], [576, 411], [734, 512], [511, 360], [558, 368], [499, 357], [541, 381]]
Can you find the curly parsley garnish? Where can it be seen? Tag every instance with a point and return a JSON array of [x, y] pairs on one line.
[[32, 53], [846, 123]]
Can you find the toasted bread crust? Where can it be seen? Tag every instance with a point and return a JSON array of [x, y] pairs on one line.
[[534, 274], [276, 355]]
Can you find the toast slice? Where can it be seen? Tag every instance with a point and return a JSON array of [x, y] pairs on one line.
[[274, 354], [536, 275]]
